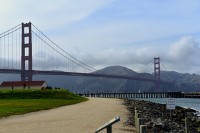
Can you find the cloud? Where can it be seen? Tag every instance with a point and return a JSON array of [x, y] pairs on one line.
[[184, 55], [48, 14], [184, 49], [181, 56]]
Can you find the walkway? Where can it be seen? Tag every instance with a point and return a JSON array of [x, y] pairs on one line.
[[80, 118]]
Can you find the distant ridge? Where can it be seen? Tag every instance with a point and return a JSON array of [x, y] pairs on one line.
[[114, 70], [182, 82]]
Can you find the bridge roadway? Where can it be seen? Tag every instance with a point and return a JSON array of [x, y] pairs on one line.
[[38, 72]]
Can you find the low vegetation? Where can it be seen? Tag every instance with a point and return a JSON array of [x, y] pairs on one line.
[[14, 102]]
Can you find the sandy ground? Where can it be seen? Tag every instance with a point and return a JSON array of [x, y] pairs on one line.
[[80, 118]]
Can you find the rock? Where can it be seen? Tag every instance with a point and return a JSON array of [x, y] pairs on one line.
[[157, 118]]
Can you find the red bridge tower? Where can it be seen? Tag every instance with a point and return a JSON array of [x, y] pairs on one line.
[[26, 55], [157, 73]]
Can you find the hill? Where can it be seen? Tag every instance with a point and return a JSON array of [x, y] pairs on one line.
[[114, 85]]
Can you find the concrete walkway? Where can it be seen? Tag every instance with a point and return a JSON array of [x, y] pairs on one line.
[[80, 118]]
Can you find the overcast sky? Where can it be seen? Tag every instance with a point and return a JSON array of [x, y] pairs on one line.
[[129, 33]]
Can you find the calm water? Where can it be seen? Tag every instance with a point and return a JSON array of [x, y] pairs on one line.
[[183, 102]]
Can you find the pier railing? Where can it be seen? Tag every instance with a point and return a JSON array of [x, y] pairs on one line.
[[136, 95]]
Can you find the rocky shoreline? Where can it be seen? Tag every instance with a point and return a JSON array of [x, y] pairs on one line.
[[157, 117]]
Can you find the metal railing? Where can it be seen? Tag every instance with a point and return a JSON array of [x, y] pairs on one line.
[[108, 125]]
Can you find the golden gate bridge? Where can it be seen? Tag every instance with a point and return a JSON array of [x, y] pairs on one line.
[[27, 51]]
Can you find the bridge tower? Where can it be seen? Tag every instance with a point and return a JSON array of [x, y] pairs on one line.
[[26, 54], [157, 73]]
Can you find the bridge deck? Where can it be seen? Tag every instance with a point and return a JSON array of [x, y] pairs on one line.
[[37, 72]]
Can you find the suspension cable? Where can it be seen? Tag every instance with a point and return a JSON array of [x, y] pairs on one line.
[[144, 67], [10, 29], [91, 68], [163, 66], [61, 53], [9, 32]]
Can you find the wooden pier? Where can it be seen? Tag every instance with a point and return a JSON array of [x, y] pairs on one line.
[[192, 95], [136, 95]]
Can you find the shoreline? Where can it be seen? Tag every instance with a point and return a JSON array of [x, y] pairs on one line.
[[157, 117], [177, 104]]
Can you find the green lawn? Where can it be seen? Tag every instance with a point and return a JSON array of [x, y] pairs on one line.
[[19, 101]]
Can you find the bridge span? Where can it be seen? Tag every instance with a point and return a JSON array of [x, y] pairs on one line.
[[39, 72], [28, 40]]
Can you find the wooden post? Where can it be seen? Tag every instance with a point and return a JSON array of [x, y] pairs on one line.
[[139, 122], [143, 129], [137, 115], [186, 124], [109, 129]]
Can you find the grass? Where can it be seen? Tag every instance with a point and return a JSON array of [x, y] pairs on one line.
[[38, 94], [15, 102]]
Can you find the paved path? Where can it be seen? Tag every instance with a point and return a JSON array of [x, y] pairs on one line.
[[80, 118]]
